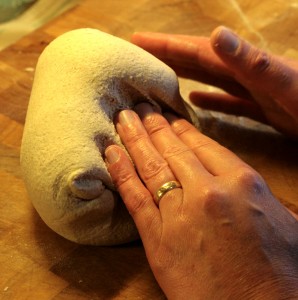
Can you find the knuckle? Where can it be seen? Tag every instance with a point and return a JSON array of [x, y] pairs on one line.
[[133, 137], [260, 62], [138, 202], [181, 127], [174, 150], [201, 145], [152, 167], [249, 179], [123, 176], [215, 201], [154, 123]]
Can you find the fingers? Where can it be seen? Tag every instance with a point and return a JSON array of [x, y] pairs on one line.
[[172, 149], [180, 145], [200, 74], [171, 46], [183, 50], [190, 57], [228, 104], [258, 70], [193, 158], [215, 158], [135, 195], [152, 167]]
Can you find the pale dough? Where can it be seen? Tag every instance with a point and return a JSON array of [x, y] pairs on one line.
[[82, 79]]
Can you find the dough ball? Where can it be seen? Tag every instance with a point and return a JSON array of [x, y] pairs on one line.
[[82, 79]]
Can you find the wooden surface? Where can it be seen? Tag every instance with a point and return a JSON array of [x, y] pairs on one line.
[[35, 262]]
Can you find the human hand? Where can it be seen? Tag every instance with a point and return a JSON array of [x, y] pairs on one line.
[[259, 85], [222, 235]]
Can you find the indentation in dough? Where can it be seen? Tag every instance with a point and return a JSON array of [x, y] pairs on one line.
[[102, 141]]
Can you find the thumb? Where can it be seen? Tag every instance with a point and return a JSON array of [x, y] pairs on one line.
[[257, 70]]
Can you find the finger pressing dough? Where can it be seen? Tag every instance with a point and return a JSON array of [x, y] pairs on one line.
[[82, 79]]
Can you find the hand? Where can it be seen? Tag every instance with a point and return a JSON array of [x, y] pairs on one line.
[[222, 235], [259, 85]]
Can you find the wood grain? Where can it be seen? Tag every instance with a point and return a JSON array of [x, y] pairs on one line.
[[35, 262]]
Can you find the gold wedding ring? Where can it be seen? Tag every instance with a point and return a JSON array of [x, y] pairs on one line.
[[166, 187]]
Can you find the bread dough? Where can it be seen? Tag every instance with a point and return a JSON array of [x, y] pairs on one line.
[[82, 79]]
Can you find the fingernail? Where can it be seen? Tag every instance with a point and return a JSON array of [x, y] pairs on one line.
[[172, 120], [126, 117], [143, 109], [112, 155], [227, 41], [170, 117]]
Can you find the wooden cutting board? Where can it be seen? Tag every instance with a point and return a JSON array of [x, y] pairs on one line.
[[35, 262]]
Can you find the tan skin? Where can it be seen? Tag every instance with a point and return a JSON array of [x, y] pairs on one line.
[[259, 85], [223, 235]]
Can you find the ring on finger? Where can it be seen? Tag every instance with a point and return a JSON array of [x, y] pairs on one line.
[[166, 187]]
